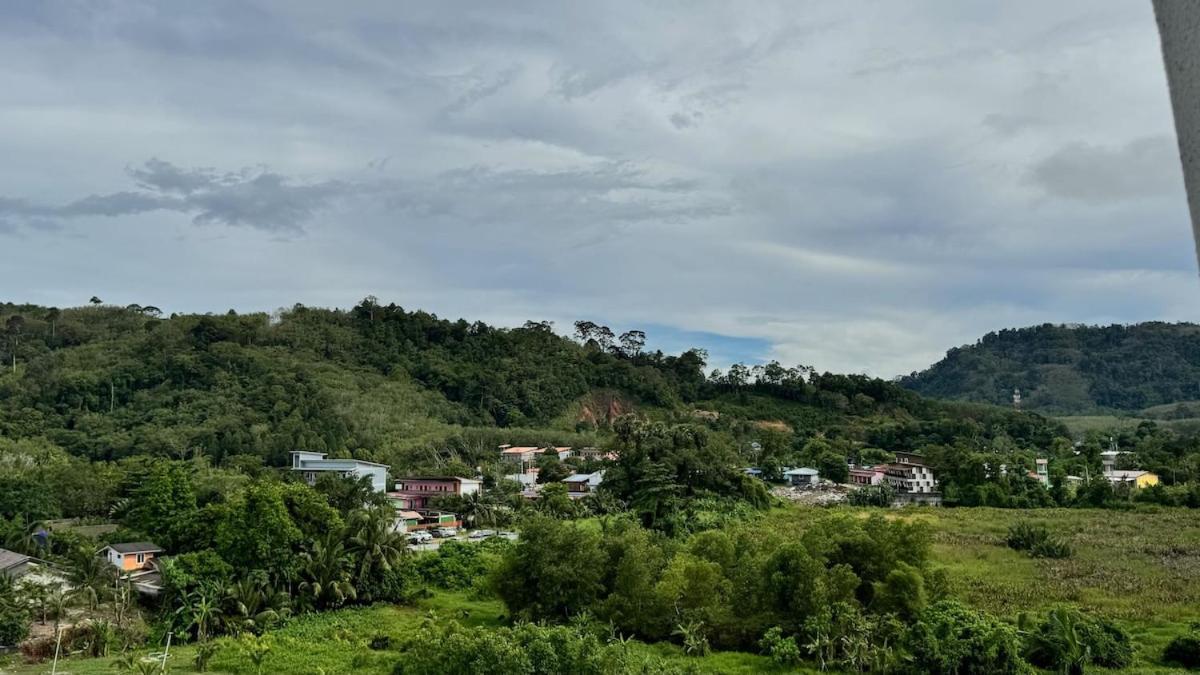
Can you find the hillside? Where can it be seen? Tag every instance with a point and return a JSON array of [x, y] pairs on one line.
[[410, 389], [1072, 369]]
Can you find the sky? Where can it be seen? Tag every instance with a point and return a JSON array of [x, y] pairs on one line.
[[856, 187]]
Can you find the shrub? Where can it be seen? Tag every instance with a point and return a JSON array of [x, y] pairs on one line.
[[14, 625], [875, 495], [1036, 540], [1068, 640], [1184, 650], [951, 638], [380, 642], [782, 650]]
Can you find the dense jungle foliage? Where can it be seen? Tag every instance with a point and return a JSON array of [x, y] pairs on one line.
[[1072, 369]]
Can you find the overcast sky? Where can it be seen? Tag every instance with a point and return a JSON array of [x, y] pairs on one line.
[[856, 186]]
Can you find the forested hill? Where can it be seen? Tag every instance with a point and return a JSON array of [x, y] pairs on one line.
[[1072, 369], [410, 389]]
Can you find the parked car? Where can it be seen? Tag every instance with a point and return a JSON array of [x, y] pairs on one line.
[[481, 534], [511, 536], [420, 538], [445, 532]]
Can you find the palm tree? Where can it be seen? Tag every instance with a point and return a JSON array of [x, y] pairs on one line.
[[325, 574], [374, 542], [253, 606], [199, 610], [477, 507], [36, 594], [91, 577], [59, 601]]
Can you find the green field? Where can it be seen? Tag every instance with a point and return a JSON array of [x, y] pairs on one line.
[[1141, 568]]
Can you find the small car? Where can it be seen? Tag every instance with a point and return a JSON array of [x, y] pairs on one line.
[[511, 536], [420, 538], [445, 532], [481, 534]]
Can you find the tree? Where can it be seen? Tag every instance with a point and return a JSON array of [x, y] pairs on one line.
[[14, 328], [632, 342], [374, 544], [554, 571], [325, 573], [200, 610], [95, 301]]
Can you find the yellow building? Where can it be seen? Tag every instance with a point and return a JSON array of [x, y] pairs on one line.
[[1134, 478]]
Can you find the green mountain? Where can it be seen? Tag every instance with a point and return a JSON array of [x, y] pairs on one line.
[[1072, 369], [416, 391]]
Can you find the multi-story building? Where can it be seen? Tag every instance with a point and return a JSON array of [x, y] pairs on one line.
[[415, 492], [909, 475], [866, 476], [312, 464]]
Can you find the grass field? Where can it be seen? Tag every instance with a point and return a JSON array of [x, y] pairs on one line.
[[1141, 568]]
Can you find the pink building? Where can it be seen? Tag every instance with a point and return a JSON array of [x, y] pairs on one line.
[[866, 476], [415, 492]]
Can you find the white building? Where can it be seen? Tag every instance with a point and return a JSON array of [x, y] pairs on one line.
[[802, 476], [311, 464], [908, 474]]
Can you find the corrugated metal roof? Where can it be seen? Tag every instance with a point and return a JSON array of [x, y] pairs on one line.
[[11, 558]]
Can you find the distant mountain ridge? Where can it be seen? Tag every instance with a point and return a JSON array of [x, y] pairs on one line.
[[1071, 369]]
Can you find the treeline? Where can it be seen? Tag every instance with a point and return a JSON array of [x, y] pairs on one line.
[[1072, 369], [378, 381], [843, 593]]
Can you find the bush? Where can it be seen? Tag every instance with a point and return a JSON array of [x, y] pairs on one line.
[[1184, 650], [875, 495], [1068, 640], [950, 638], [782, 650], [1036, 540], [14, 625]]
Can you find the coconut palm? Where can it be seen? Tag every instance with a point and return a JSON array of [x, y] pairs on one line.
[[374, 543], [252, 605], [200, 610], [325, 574], [91, 577]]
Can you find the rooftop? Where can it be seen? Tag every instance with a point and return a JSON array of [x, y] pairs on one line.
[[136, 547], [11, 558]]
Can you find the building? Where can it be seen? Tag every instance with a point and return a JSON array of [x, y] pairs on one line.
[[1041, 472], [909, 475], [412, 521], [1133, 478], [591, 454], [580, 485], [312, 464], [522, 454], [802, 476], [866, 476], [1108, 459], [132, 556], [415, 492]]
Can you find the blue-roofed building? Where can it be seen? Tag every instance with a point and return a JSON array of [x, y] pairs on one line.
[[802, 476], [579, 485]]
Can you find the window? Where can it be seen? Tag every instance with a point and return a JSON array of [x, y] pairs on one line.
[[141, 558]]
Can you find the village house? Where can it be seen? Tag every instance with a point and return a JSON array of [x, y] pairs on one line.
[[1041, 473], [866, 476], [1136, 478], [909, 475], [312, 464], [20, 567], [131, 556], [580, 485], [802, 476], [520, 455], [1131, 477], [415, 492]]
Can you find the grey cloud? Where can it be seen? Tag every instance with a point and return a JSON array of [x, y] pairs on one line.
[[256, 198], [1146, 167]]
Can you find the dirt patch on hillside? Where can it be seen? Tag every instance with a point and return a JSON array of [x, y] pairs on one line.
[[773, 425], [599, 409]]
